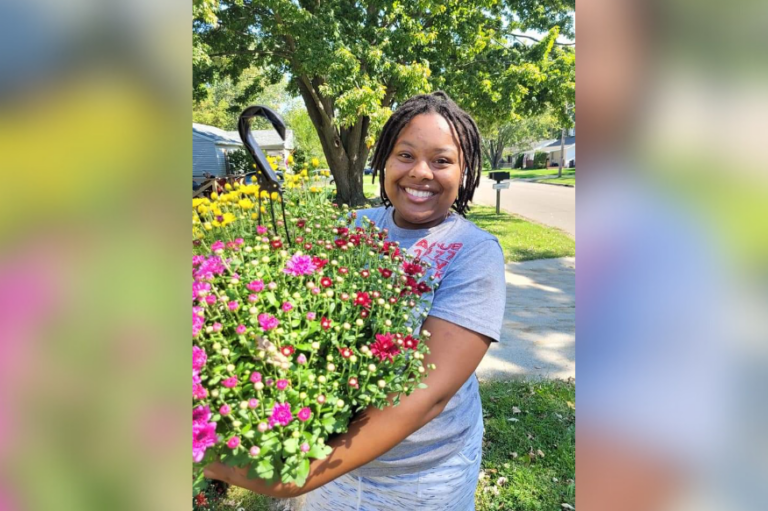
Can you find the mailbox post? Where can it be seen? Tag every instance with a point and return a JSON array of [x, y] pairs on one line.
[[499, 177]]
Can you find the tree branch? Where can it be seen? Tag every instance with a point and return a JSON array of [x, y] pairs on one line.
[[523, 36]]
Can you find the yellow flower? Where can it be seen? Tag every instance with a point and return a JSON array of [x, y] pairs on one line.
[[274, 196], [202, 209], [303, 173], [246, 204], [290, 159], [264, 194], [315, 162], [227, 186], [255, 216], [263, 210], [207, 226], [214, 196]]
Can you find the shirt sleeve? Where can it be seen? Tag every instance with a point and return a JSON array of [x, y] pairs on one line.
[[472, 293]]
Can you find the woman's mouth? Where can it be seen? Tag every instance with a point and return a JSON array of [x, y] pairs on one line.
[[418, 195]]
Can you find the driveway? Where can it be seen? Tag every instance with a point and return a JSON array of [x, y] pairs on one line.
[[546, 204]]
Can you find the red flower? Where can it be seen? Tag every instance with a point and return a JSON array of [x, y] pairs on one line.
[[299, 239], [355, 239], [385, 272], [343, 231], [201, 500], [423, 288], [364, 313], [340, 242], [343, 270], [301, 223], [363, 299], [376, 294], [359, 229], [307, 246], [345, 352], [287, 350], [384, 348], [365, 274], [412, 268], [353, 383], [326, 282], [393, 299], [410, 343], [325, 323], [276, 244], [319, 262]]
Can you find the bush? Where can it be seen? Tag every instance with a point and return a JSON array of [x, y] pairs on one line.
[[540, 160], [239, 161], [300, 159], [519, 161]]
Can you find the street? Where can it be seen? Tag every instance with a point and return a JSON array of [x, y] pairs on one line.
[[546, 204]]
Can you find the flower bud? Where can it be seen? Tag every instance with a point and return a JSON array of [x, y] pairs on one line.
[[359, 322], [262, 427], [353, 358], [243, 405], [215, 393], [225, 352], [340, 403], [372, 368], [303, 395], [237, 424], [421, 370], [321, 399], [331, 367], [216, 346], [381, 384], [258, 385], [321, 379], [230, 368], [347, 326], [388, 322], [295, 434], [315, 345]]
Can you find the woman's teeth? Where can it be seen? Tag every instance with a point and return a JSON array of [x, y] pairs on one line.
[[419, 193]]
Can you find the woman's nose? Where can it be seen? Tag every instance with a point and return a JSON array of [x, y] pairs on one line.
[[421, 170]]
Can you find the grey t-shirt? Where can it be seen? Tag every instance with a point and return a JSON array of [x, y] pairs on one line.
[[469, 265]]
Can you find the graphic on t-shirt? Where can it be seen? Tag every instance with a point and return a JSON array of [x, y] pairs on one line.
[[439, 254]]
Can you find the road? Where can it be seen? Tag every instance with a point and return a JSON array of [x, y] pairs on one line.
[[546, 204]]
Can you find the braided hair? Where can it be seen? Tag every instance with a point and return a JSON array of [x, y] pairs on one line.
[[462, 122]]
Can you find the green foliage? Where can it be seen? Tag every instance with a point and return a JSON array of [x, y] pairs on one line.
[[540, 159], [519, 161], [240, 161], [305, 135]]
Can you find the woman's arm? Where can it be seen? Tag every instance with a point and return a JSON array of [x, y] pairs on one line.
[[455, 351]]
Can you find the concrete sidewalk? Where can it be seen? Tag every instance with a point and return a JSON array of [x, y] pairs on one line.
[[539, 333]]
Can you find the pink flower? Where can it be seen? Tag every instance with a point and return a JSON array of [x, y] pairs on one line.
[[199, 288], [268, 322], [316, 290], [255, 377], [201, 415], [304, 447], [225, 409], [253, 298], [272, 286], [239, 241], [218, 245], [197, 321], [233, 305], [255, 450], [199, 358], [210, 299], [230, 383], [203, 437], [301, 359], [299, 265], [304, 414], [384, 347], [240, 329], [287, 351], [262, 427], [198, 391], [261, 229], [281, 414], [233, 442], [287, 306], [256, 286], [311, 316], [282, 384], [217, 327], [253, 403]]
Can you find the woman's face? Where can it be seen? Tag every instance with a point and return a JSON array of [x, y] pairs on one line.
[[423, 172]]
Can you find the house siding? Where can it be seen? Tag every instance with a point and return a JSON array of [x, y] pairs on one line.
[[206, 157]]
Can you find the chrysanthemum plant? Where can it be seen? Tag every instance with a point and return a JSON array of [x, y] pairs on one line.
[[290, 341]]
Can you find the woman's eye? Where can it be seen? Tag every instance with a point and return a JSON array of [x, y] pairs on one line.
[[442, 161], [405, 155]]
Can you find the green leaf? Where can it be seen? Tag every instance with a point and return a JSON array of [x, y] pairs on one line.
[[421, 386], [319, 451], [291, 445], [302, 472]]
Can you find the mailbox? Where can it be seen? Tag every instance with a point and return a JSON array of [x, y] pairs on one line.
[[498, 176]]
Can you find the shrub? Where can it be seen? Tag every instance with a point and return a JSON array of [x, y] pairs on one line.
[[540, 160]]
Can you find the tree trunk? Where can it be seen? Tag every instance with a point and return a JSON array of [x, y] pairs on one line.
[[562, 154], [345, 150]]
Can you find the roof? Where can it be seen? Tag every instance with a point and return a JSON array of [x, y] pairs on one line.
[[269, 139], [216, 135], [557, 144]]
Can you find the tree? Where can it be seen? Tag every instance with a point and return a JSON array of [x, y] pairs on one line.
[[517, 135], [352, 62], [304, 134]]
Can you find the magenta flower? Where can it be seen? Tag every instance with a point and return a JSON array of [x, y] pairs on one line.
[[239, 241], [208, 268], [197, 321], [282, 384], [287, 306], [255, 377], [198, 391], [281, 414], [304, 447], [233, 442], [253, 403], [225, 409], [199, 358], [233, 305], [210, 299], [219, 245], [230, 383], [217, 327], [301, 359], [299, 265], [304, 414], [199, 288], [240, 329], [311, 316], [268, 322], [261, 229], [203, 437], [201, 415], [256, 286], [253, 298]]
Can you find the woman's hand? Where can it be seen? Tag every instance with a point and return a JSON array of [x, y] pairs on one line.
[[239, 477]]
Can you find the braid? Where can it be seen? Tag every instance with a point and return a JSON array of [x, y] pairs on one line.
[[466, 130]]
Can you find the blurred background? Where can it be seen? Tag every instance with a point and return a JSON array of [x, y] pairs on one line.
[[672, 290]]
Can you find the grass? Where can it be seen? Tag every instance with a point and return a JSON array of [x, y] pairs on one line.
[[535, 453], [520, 239], [533, 173], [566, 181]]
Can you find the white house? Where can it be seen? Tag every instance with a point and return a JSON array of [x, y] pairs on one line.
[[210, 146], [270, 142]]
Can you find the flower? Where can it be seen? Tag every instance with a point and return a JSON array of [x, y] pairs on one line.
[[287, 306], [299, 265], [255, 377], [256, 286], [276, 244], [325, 323], [203, 437], [199, 358], [201, 415], [255, 450], [197, 321], [301, 359], [198, 391], [230, 383], [218, 245], [240, 329], [410, 343], [326, 282], [287, 351], [253, 403], [281, 414], [304, 447], [345, 352], [365, 274], [304, 414], [363, 299], [353, 383], [268, 322], [384, 348], [282, 384], [233, 305], [225, 409], [311, 316], [319, 262], [233, 442], [261, 230], [385, 272]]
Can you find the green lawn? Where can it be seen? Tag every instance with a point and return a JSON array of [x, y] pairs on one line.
[[566, 181], [520, 239], [529, 449], [533, 173]]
